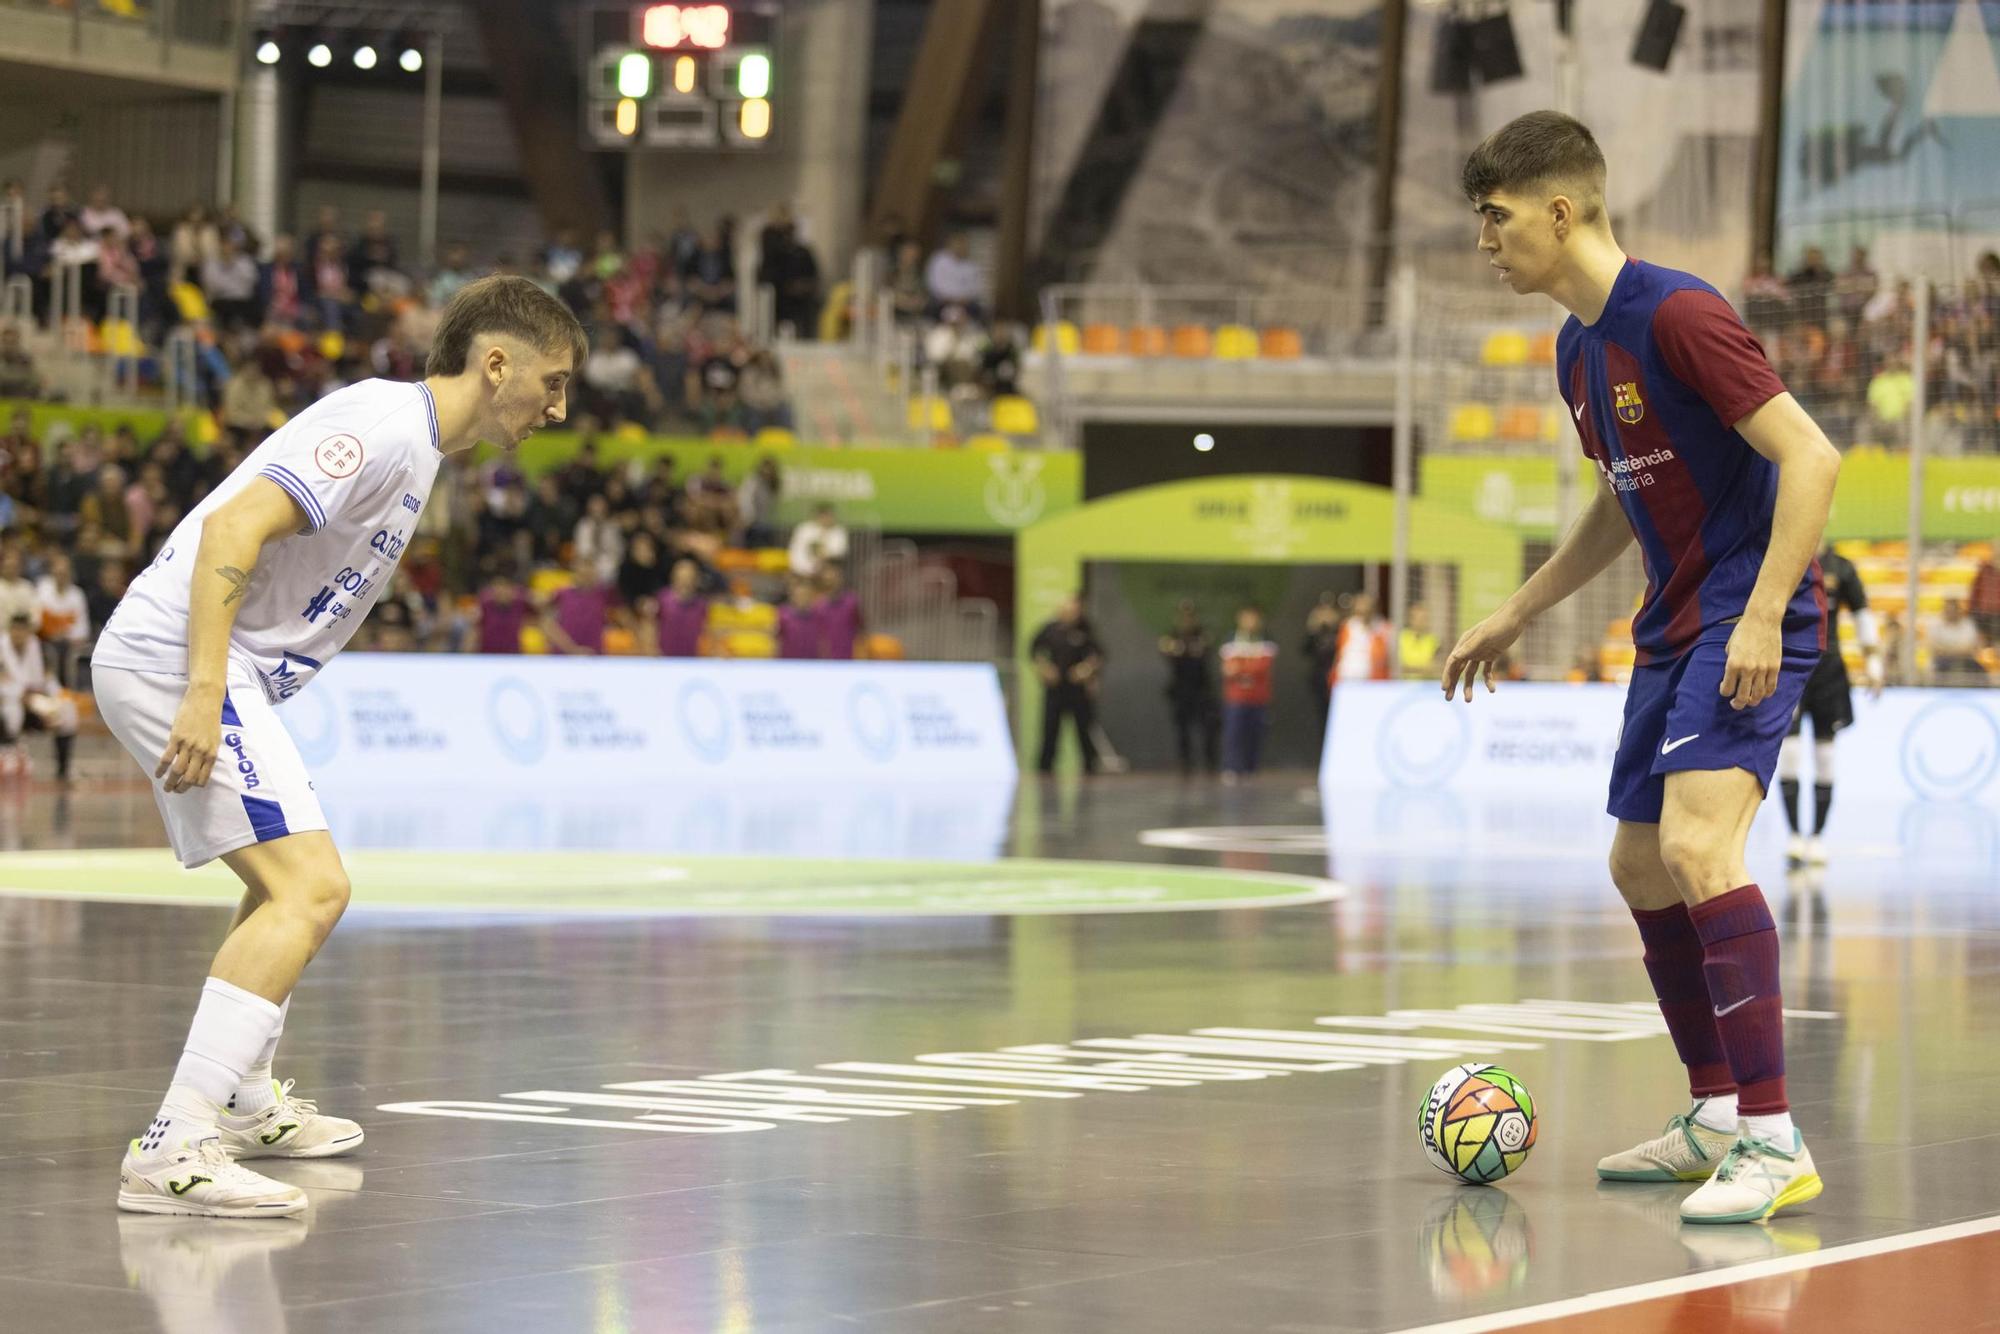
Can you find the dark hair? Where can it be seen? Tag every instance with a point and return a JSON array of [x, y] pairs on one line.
[[503, 304], [1542, 148]]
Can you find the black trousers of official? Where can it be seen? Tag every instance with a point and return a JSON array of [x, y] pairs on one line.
[[1073, 702]]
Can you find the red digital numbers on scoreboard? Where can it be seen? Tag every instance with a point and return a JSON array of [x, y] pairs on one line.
[[670, 27]]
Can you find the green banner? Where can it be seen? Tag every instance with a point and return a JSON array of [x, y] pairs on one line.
[[903, 490], [1871, 500]]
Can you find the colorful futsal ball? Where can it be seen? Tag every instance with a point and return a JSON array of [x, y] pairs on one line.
[[1477, 1123]]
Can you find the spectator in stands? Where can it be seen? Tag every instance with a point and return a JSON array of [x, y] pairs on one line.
[[757, 504], [761, 392], [18, 376], [194, 242], [101, 215], [17, 595], [1584, 667], [711, 500], [954, 278], [1247, 660], [1890, 394], [455, 272], [57, 214], [331, 292], [562, 257], [104, 509], [230, 226], [13, 203], [683, 613], [1067, 657], [669, 362], [799, 631], [116, 266], [839, 613], [153, 262], [1955, 646], [616, 384], [1982, 600], [1321, 647], [551, 519], [1190, 687], [1000, 362], [1856, 286], [597, 544], [788, 267], [576, 615], [62, 617], [642, 574], [249, 401], [1417, 645], [282, 285], [818, 540], [30, 701], [710, 273], [1363, 650], [373, 250], [503, 612], [73, 250], [907, 289]]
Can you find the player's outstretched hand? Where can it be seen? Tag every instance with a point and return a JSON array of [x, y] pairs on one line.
[[191, 746], [1750, 672], [1477, 650]]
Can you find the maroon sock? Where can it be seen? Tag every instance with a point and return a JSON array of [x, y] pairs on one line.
[[1674, 962], [1740, 962]]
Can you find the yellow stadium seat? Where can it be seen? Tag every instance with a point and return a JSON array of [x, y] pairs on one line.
[[988, 443], [1147, 340], [886, 648], [1507, 347], [1067, 339], [773, 560], [1014, 415], [189, 301], [1520, 422], [1191, 341], [1103, 340], [204, 430], [749, 644], [1552, 425], [1235, 342], [776, 437], [929, 413], [533, 640], [1472, 422], [1542, 349], [1281, 345], [542, 583]]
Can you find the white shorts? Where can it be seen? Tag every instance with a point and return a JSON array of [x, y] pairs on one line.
[[258, 790]]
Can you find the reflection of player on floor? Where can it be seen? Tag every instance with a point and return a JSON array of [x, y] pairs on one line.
[[255, 589], [1726, 484], [1829, 702]]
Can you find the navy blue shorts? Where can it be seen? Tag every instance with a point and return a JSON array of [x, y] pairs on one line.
[[1676, 718]]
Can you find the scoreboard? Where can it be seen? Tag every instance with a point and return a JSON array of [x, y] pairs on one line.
[[680, 75]]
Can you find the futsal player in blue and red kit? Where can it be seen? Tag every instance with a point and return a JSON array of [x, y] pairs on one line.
[[1725, 483]]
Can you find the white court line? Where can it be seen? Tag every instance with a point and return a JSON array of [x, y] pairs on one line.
[[1714, 1278]]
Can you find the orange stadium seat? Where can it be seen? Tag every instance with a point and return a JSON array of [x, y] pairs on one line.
[[1103, 340], [1147, 340], [1281, 345], [1191, 340], [886, 648], [1542, 349], [621, 641], [1520, 421]]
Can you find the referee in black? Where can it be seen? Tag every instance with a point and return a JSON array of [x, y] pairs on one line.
[[1067, 657]]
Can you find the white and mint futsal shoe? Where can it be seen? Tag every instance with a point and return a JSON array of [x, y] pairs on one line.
[[201, 1179], [1757, 1179], [1686, 1151], [292, 1128]]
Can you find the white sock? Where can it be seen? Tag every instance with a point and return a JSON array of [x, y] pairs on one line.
[[256, 1094], [1776, 1128], [1717, 1113], [230, 1027]]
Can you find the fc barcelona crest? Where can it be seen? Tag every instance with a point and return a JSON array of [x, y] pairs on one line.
[[1630, 406]]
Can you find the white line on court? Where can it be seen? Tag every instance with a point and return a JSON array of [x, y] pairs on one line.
[[1713, 1278]]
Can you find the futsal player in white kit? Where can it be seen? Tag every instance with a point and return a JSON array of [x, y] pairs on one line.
[[256, 589]]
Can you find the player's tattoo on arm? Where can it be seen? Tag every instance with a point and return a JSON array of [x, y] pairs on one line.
[[239, 582]]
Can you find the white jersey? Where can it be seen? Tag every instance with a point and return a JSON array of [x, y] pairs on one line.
[[359, 464]]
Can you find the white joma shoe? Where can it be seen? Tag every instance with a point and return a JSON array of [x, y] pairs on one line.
[[199, 1178], [1755, 1181], [1686, 1151], [293, 1128]]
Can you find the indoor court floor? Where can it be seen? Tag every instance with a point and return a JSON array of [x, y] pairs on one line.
[[1162, 1073]]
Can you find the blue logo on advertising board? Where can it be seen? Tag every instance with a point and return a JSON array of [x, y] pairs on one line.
[[873, 717], [520, 725], [704, 715], [1951, 750], [1422, 740]]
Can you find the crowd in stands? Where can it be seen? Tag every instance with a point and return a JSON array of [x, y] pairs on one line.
[[943, 301], [1844, 342], [283, 321]]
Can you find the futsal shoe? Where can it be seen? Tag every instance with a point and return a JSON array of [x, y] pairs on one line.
[[199, 1178], [1686, 1151], [291, 1128], [1756, 1180]]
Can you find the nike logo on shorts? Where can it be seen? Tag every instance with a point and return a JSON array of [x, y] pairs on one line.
[[1673, 746], [1579, 411], [1721, 1010]]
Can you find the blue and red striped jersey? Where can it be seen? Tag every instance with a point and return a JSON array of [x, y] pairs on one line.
[[1656, 387]]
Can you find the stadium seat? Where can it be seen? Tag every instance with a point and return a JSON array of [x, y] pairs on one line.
[[1508, 347], [1281, 345], [1014, 415], [749, 644], [1147, 340], [929, 413], [1235, 342], [1191, 341], [776, 437], [1552, 425], [1068, 342], [1103, 340], [735, 560], [533, 640], [620, 641], [772, 560], [988, 443], [1472, 422], [189, 301], [1542, 349], [886, 648], [542, 583], [1520, 421]]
